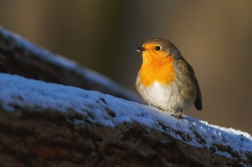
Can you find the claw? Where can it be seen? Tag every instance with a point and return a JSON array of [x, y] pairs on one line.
[[178, 115]]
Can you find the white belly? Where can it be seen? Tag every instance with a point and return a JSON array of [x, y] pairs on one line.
[[169, 98]]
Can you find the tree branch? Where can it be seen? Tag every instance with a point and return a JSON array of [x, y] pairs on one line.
[[19, 56], [55, 125]]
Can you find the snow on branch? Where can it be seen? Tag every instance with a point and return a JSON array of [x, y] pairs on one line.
[[156, 138], [21, 57]]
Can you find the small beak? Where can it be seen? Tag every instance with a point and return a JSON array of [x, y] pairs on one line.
[[140, 49]]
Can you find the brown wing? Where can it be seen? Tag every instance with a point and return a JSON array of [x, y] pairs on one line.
[[198, 101], [189, 71]]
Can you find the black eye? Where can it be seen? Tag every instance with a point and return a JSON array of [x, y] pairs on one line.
[[157, 48]]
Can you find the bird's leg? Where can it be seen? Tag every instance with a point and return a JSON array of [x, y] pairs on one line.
[[178, 114]]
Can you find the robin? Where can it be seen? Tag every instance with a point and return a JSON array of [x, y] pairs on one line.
[[166, 80]]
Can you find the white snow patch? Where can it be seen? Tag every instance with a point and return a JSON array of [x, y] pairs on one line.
[[224, 154], [16, 90]]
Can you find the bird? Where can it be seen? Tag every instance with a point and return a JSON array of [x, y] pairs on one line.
[[166, 80]]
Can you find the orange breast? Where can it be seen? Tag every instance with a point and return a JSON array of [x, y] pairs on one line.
[[157, 69]]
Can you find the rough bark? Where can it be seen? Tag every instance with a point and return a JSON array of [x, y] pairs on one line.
[[50, 138]]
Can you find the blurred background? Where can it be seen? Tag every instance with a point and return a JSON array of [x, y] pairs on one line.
[[214, 36]]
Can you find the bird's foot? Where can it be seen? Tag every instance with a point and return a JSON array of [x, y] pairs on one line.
[[178, 115]]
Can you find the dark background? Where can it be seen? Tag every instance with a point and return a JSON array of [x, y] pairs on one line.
[[214, 36]]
